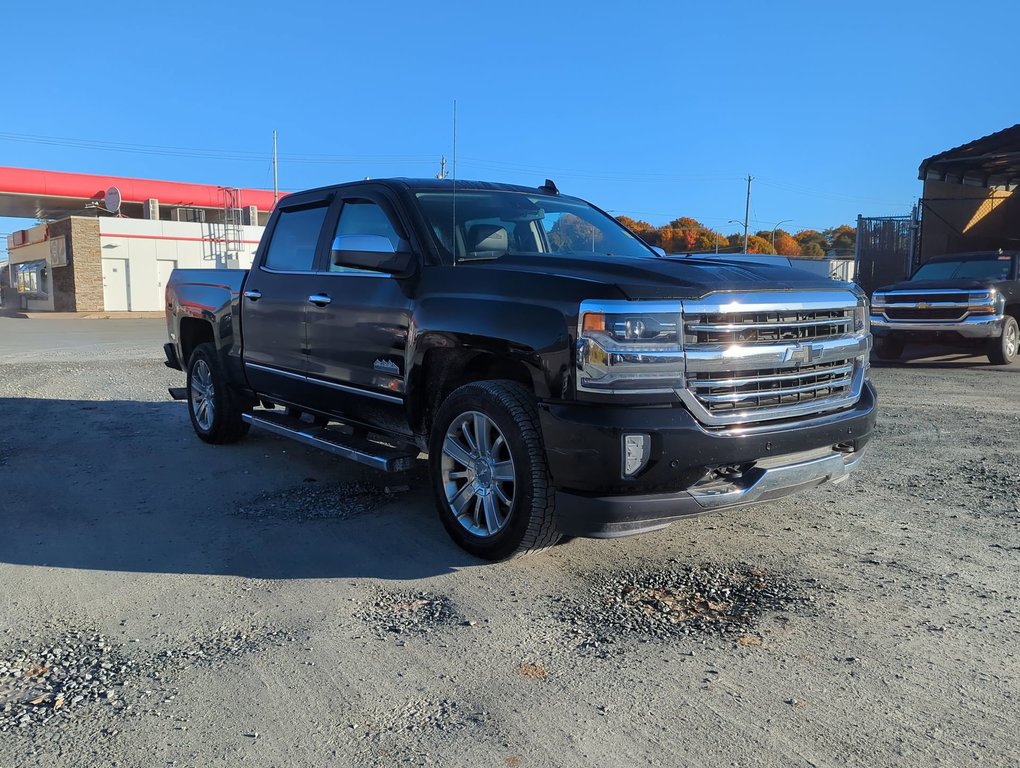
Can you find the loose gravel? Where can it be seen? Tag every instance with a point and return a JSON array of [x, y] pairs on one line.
[[82, 672], [409, 613], [58, 680], [316, 501], [678, 601]]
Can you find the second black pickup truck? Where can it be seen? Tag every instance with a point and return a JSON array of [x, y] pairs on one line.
[[563, 377], [970, 299]]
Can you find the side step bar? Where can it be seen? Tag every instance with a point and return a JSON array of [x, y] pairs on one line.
[[382, 457]]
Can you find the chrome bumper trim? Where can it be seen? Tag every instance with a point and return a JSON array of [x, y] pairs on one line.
[[986, 327], [775, 482]]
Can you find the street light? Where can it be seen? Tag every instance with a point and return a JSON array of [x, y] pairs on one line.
[[784, 221], [740, 224]]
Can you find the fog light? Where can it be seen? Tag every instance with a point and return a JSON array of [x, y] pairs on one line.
[[635, 453]]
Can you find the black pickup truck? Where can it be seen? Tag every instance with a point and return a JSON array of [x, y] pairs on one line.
[[968, 299], [563, 377]]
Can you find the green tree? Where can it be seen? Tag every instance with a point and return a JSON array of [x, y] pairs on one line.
[[841, 239]]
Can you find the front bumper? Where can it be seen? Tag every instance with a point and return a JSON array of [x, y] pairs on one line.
[[976, 327], [583, 447]]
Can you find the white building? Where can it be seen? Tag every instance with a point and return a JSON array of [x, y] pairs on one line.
[[109, 243]]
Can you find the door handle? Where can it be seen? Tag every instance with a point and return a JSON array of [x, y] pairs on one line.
[[319, 299], [253, 295]]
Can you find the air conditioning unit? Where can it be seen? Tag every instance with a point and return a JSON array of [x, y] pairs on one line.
[[195, 215]]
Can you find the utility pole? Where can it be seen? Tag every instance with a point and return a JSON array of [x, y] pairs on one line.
[[747, 210], [276, 185], [442, 168]]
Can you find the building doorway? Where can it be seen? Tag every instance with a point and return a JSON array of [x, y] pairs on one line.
[[163, 269], [116, 285]]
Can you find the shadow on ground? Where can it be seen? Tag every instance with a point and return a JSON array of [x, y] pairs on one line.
[[126, 486]]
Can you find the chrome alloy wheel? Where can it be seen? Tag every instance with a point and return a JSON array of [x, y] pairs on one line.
[[478, 474], [1012, 340], [202, 404]]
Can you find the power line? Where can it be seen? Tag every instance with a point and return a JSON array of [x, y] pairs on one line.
[[215, 154]]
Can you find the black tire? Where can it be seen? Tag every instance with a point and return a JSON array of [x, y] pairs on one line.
[[224, 424], [1005, 349], [888, 348], [529, 525]]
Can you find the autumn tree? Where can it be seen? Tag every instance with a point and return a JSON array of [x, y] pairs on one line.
[[786, 245], [758, 244], [812, 244], [572, 233], [647, 232]]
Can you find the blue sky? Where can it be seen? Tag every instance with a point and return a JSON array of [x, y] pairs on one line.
[[654, 109]]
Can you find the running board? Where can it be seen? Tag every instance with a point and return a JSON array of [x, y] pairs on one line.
[[178, 393], [376, 455]]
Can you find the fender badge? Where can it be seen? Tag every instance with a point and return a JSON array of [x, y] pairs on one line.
[[386, 366]]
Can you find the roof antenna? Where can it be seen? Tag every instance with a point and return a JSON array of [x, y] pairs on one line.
[[549, 187], [453, 236]]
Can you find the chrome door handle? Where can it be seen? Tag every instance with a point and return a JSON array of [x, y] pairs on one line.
[[319, 299], [253, 295]]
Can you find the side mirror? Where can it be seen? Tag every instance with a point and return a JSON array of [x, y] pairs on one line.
[[374, 252]]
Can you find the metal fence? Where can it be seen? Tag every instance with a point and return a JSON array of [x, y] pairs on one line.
[[886, 249]]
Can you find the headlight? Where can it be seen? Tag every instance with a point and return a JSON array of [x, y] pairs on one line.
[[986, 302], [862, 318], [862, 314], [630, 346]]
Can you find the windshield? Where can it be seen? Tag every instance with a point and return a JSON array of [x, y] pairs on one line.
[[993, 267], [495, 223]]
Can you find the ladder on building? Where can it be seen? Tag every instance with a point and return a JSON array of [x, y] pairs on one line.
[[233, 226]]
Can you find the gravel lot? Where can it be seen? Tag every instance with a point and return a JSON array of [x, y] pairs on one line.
[[166, 602]]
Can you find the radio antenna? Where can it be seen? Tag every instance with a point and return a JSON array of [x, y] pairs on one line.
[[454, 234]]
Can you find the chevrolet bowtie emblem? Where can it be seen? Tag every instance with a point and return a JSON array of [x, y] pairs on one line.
[[923, 305], [803, 354]]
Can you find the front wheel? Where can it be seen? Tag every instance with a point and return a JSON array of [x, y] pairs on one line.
[[1004, 350], [489, 471], [214, 407]]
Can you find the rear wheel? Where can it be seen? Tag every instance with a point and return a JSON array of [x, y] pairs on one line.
[[1005, 349], [214, 407], [888, 348], [489, 473]]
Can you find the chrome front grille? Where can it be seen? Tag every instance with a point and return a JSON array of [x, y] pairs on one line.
[[764, 356], [758, 327], [925, 313], [772, 388], [932, 306]]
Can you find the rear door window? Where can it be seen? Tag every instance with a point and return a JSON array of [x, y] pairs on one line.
[[295, 238]]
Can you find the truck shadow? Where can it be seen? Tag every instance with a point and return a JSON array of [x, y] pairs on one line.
[[126, 486], [942, 357]]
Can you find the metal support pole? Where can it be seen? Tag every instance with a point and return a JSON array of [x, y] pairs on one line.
[[747, 211], [276, 186]]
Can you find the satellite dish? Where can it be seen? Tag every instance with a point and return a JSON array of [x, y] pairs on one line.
[[113, 200]]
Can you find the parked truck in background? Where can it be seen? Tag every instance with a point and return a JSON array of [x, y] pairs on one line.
[[967, 299], [562, 377]]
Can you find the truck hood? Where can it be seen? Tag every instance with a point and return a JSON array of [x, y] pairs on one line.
[[666, 277], [963, 284]]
